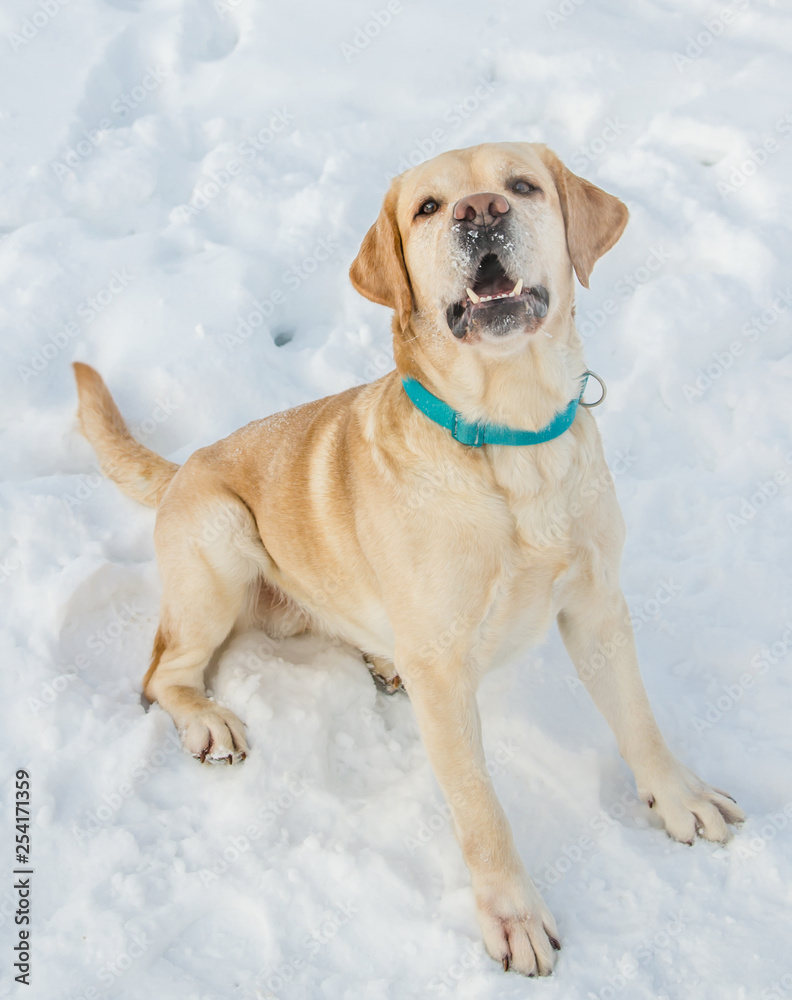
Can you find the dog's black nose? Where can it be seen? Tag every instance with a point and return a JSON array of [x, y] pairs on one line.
[[481, 209]]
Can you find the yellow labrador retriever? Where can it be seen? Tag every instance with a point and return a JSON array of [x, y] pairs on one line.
[[434, 518]]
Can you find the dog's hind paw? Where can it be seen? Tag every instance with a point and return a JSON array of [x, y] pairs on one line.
[[384, 674]]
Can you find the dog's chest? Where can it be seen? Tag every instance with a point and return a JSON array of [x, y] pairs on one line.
[[542, 550], [539, 489]]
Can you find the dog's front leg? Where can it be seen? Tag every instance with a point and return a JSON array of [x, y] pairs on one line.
[[518, 928], [596, 629]]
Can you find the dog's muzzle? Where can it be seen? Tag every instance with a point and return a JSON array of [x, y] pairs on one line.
[[497, 303]]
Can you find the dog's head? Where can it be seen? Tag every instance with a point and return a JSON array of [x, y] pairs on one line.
[[479, 246]]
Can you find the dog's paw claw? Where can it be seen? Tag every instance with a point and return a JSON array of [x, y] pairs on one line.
[[729, 797]]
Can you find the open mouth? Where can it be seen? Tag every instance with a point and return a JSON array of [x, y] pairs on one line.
[[497, 303]]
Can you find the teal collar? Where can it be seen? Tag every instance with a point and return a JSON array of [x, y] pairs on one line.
[[477, 434]]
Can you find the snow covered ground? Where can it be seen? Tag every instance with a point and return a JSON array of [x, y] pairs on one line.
[[183, 185]]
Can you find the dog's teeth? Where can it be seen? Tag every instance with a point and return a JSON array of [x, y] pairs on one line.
[[518, 287], [475, 299]]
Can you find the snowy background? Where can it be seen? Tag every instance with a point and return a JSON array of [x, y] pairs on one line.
[[183, 185]]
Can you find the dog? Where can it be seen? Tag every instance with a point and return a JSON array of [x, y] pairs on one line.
[[434, 519]]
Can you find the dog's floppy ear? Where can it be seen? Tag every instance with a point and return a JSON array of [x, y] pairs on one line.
[[594, 219], [379, 271]]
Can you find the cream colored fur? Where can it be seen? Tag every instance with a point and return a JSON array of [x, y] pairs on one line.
[[358, 517]]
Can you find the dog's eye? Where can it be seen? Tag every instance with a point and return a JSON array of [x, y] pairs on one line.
[[523, 187], [429, 207]]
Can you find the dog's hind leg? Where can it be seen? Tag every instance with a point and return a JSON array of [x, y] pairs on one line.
[[270, 610], [207, 553]]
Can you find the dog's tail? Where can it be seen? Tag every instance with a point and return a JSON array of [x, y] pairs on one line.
[[141, 473]]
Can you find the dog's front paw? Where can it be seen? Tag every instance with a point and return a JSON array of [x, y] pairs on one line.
[[688, 806], [519, 931], [215, 735]]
